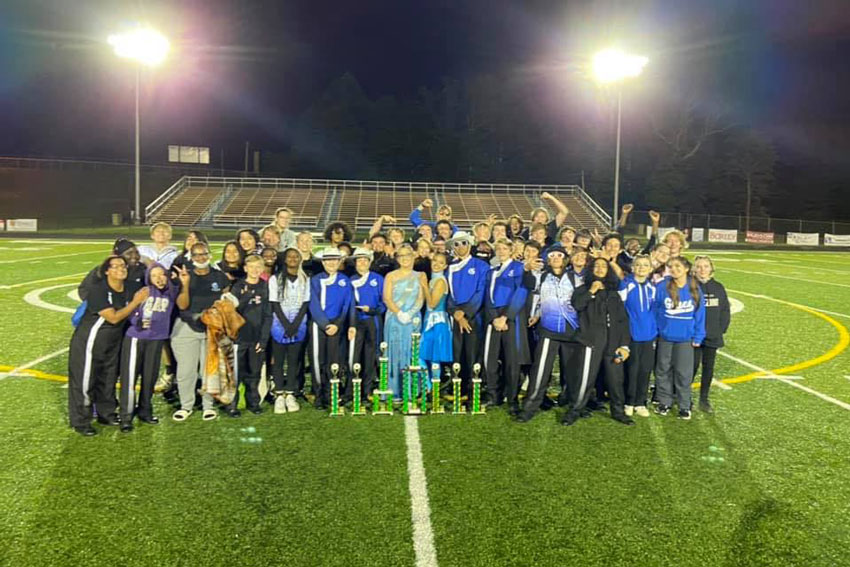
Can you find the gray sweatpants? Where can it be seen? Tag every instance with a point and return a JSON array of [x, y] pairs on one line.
[[674, 370], [190, 350]]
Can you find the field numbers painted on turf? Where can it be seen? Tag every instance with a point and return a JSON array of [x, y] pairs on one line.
[[735, 305]]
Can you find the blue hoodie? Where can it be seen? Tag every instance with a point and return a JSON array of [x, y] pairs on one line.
[[157, 309], [686, 322], [639, 299]]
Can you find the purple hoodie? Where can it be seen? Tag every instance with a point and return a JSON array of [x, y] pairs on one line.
[[158, 308]]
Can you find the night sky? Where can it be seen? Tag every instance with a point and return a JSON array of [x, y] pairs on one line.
[[242, 70]]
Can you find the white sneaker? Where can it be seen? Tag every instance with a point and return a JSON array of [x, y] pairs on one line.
[[629, 410], [642, 411], [280, 404], [163, 383], [292, 403]]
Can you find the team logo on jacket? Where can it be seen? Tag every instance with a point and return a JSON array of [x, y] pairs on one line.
[[214, 287], [373, 283], [342, 283], [471, 271], [510, 273]]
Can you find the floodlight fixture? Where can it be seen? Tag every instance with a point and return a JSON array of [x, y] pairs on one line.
[[613, 65], [144, 45]]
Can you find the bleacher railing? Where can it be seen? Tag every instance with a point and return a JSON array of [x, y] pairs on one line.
[[340, 185]]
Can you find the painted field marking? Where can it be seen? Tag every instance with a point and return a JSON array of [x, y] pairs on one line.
[[785, 380], [33, 374], [30, 364], [24, 284], [420, 510], [40, 258], [55, 241], [719, 384], [34, 298], [786, 277], [838, 348]]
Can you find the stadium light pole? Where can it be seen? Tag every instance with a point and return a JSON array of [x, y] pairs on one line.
[[612, 67], [147, 47]]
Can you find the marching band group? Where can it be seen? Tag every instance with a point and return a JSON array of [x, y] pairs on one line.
[[509, 297]]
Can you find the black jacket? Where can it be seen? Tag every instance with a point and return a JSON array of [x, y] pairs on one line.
[[717, 313], [603, 321]]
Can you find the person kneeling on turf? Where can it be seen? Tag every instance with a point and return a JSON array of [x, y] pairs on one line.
[[141, 352]]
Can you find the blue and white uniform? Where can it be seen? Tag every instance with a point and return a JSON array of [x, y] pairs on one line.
[[331, 303], [368, 292], [639, 299], [505, 297], [467, 281]]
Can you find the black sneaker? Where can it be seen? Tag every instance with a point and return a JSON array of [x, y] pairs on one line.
[[234, 413], [569, 418], [256, 410], [514, 409], [684, 414], [152, 420], [524, 417], [624, 419], [662, 409], [705, 407], [547, 403], [126, 427], [586, 412], [86, 430], [111, 420]]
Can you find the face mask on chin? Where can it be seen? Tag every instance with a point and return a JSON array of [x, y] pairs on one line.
[[202, 265]]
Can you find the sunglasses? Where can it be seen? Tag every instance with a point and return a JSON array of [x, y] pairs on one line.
[[460, 243]]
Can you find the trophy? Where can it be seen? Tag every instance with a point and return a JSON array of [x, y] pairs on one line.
[[457, 406], [476, 390], [436, 406], [356, 386], [336, 411], [411, 379], [383, 406]]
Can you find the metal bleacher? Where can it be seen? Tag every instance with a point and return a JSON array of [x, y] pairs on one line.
[[237, 202]]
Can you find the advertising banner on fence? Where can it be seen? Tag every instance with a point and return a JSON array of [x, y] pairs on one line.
[[759, 237], [697, 235], [802, 238], [722, 235], [836, 239], [22, 225], [662, 230], [2, 224]]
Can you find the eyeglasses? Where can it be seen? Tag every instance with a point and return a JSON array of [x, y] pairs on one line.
[[460, 243]]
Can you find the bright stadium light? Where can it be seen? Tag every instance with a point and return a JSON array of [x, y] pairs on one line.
[[613, 66], [144, 45]]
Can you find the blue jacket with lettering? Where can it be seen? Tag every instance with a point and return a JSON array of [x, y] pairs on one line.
[[684, 322], [639, 299], [368, 291], [331, 300], [505, 294], [416, 219], [467, 280]]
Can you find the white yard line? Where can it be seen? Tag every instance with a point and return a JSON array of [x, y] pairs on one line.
[[767, 297], [24, 284], [31, 258], [787, 380], [785, 277], [420, 510], [32, 363], [721, 385]]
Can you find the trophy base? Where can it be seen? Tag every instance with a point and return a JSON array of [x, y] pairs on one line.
[[461, 411], [361, 411], [414, 411], [479, 412], [385, 407], [340, 413]]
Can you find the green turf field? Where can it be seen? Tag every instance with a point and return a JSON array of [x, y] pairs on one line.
[[763, 482]]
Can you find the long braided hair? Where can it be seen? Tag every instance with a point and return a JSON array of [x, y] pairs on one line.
[[673, 289]]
